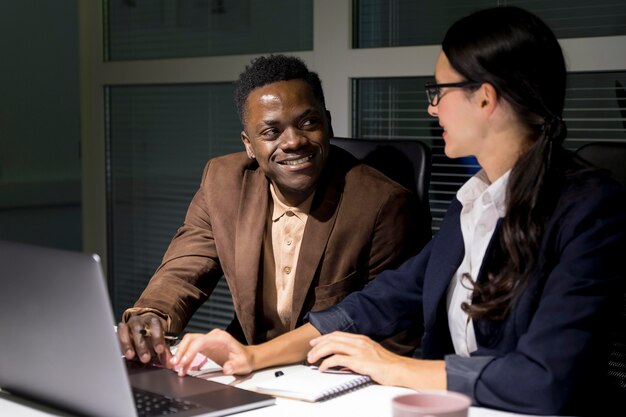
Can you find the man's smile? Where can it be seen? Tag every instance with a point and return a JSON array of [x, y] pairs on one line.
[[298, 161]]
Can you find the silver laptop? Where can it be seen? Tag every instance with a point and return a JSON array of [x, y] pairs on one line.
[[58, 344]]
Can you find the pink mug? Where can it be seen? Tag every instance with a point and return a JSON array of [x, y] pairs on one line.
[[431, 404]]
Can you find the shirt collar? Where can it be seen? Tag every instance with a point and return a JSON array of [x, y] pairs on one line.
[[280, 208], [479, 185]]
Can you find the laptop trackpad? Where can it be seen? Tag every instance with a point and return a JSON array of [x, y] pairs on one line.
[[166, 382]]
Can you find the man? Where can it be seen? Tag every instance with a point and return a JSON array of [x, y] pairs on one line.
[[293, 223]]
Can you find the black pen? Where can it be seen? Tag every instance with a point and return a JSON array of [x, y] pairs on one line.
[[167, 336]]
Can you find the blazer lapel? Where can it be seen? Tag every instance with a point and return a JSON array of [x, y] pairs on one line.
[[446, 256], [316, 234], [250, 220]]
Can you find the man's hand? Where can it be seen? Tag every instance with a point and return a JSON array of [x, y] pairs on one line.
[[218, 345], [142, 337]]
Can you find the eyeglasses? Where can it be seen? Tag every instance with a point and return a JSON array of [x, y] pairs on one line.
[[433, 91]]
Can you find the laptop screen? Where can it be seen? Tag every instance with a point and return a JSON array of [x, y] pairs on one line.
[[62, 349]]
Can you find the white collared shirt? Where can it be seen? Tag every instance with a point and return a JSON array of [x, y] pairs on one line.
[[483, 204]]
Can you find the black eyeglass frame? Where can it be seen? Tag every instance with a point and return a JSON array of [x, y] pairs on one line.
[[433, 90]]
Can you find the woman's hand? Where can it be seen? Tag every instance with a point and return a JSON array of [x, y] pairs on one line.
[[217, 345], [358, 353], [364, 356]]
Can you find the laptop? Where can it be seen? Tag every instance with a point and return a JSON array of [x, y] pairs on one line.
[[58, 344]]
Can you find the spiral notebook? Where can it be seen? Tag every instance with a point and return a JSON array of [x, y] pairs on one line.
[[309, 384]]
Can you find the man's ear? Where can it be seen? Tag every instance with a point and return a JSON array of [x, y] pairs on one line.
[[247, 144], [329, 120]]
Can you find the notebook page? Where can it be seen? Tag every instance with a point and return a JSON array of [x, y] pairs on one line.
[[309, 384]]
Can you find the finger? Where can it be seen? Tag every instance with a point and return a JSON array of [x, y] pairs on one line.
[[327, 347], [346, 344], [181, 348], [123, 336], [155, 330], [186, 352], [142, 348], [337, 361], [157, 340], [192, 355]]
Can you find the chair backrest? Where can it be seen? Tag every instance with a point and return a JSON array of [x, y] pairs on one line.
[[612, 156], [607, 155], [407, 162]]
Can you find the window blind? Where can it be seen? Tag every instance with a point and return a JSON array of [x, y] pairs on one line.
[[411, 22], [395, 108], [152, 29], [158, 140]]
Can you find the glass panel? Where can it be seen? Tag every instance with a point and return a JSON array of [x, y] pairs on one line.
[[152, 29], [395, 108], [595, 108], [379, 23], [158, 141], [579, 18]]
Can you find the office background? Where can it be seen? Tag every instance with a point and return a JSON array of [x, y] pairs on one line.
[[109, 109]]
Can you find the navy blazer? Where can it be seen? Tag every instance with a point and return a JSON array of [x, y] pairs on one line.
[[550, 355]]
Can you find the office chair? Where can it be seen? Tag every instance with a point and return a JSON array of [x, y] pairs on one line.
[[607, 155], [408, 162], [612, 156]]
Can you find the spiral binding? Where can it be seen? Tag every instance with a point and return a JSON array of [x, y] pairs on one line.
[[345, 388]]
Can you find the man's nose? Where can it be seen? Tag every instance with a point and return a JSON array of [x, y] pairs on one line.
[[292, 138]]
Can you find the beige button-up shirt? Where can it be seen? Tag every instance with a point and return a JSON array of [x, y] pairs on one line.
[[287, 229]]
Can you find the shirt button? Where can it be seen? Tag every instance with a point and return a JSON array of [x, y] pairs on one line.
[[287, 270], [288, 242], [289, 213]]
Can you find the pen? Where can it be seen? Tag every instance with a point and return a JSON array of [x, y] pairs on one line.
[[167, 336]]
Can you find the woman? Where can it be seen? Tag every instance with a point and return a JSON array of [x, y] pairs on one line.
[[517, 290]]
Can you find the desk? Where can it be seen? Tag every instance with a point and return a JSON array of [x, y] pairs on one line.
[[371, 401]]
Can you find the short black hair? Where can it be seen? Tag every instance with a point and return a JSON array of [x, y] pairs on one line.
[[270, 69]]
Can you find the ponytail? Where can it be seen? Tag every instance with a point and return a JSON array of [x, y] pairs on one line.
[[530, 199]]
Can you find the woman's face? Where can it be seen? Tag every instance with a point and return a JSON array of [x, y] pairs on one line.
[[457, 111]]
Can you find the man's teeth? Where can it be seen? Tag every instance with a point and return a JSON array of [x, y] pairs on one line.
[[298, 161]]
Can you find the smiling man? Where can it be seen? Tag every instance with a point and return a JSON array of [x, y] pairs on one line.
[[293, 223]]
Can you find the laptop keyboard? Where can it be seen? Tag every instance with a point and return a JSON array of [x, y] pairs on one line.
[[150, 404]]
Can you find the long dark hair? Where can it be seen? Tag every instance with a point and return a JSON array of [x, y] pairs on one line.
[[516, 52]]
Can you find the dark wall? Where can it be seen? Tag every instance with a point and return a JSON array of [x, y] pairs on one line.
[[40, 164]]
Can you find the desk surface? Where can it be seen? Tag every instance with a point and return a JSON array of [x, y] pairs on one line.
[[373, 400]]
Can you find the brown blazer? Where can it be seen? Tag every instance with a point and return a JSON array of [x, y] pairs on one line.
[[360, 224]]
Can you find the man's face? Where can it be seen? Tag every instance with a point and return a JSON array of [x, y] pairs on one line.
[[287, 131]]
